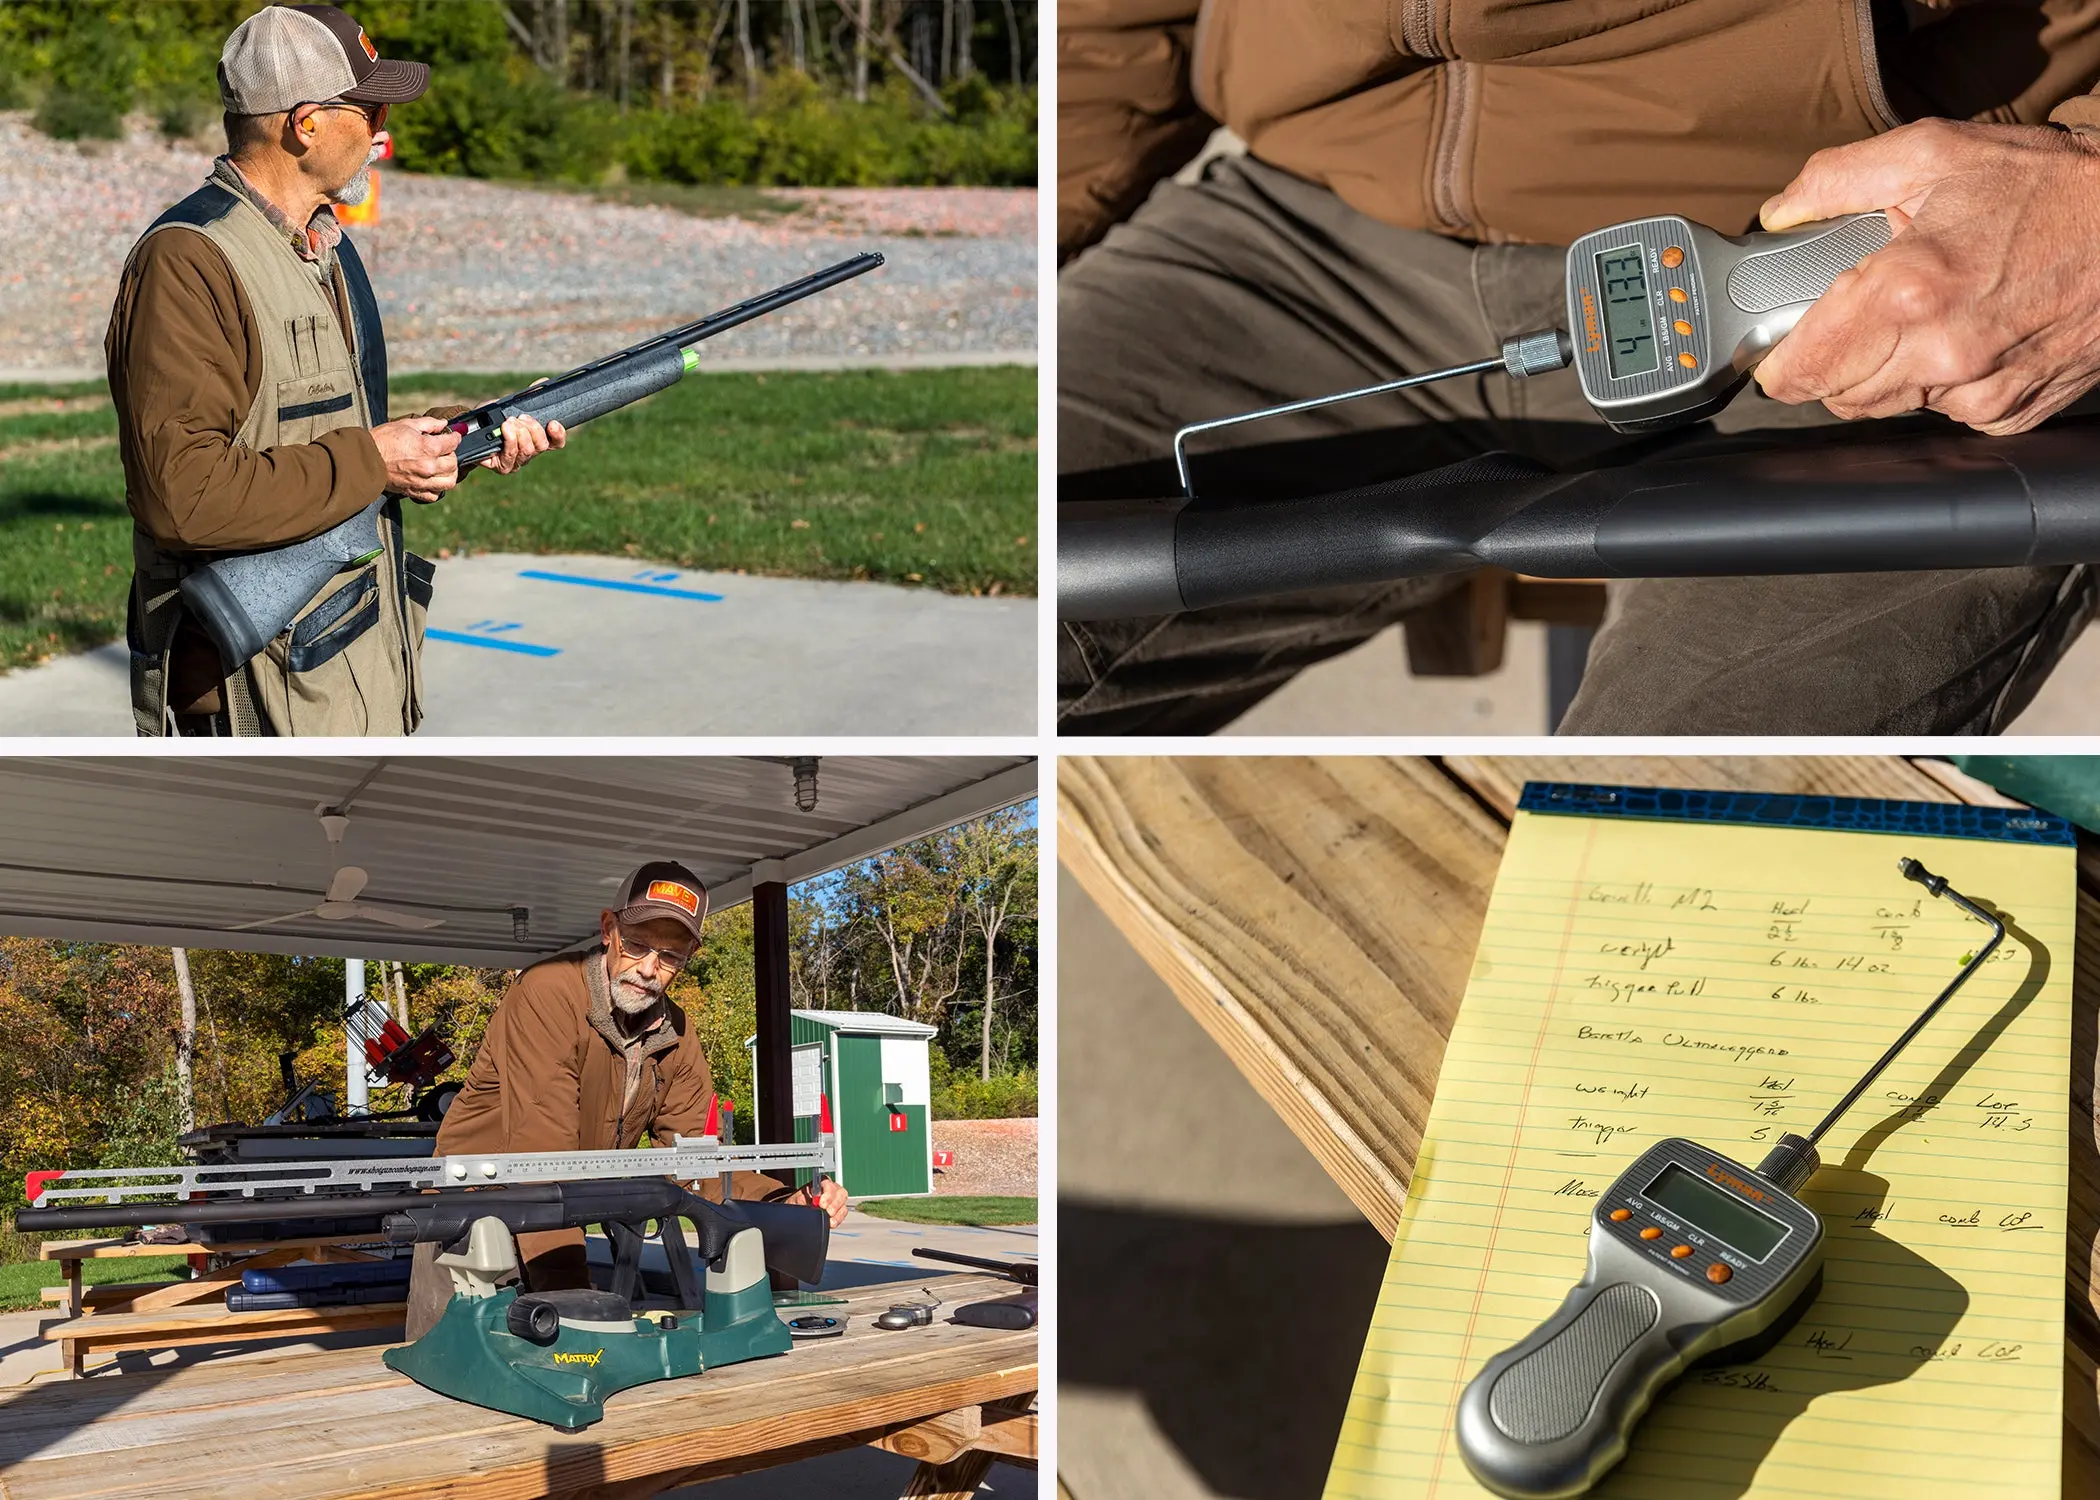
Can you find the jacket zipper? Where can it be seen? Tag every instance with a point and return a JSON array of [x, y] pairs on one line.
[[1454, 96], [1870, 64], [1418, 28], [1454, 99]]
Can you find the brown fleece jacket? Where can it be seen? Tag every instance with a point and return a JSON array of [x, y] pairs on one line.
[[184, 367], [553, 1074], [1536, 120]]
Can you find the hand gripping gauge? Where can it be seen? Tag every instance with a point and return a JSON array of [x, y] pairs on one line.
[[1666, 319], [1694, 1259]]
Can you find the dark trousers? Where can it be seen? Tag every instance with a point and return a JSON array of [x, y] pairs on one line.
[[1254, 287]]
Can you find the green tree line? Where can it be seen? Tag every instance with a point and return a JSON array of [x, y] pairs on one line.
[[92, 1061], [727, 92]]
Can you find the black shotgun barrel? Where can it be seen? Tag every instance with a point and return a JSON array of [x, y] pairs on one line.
[[1943, 500], [616, 380]]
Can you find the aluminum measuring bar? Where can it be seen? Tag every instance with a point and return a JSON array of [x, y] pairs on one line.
[[694, 1158]]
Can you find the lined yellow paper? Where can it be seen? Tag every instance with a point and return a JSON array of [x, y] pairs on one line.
[[1638, 980]]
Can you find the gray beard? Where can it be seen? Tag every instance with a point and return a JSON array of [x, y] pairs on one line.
[[631, 997], [356, 190]]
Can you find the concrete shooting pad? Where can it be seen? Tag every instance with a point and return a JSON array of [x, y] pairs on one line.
[[512, 858], [524, 645]]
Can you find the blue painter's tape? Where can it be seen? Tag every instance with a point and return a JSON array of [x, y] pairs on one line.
[[523, 648], [622, 585]]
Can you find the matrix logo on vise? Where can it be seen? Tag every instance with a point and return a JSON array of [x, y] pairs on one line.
[[1729, 1179], [674, 893], [590, 1359]]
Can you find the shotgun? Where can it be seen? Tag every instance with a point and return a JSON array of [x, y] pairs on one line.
[[243, 599]]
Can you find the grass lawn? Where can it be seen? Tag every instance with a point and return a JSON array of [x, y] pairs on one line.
[[21, 1283], [938, 1210], [916, 477]]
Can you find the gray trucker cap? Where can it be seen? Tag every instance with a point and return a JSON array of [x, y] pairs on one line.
[[288, 55]]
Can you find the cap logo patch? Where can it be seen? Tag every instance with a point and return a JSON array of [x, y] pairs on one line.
[[366, 43], [675, 894]]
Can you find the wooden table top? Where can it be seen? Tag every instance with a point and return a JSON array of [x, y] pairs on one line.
[[342, 1424], [1318, 917]]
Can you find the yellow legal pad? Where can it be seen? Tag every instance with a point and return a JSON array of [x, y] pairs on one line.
[[1724, 967]]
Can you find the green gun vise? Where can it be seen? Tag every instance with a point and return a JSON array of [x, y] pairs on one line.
[[554, 1356]]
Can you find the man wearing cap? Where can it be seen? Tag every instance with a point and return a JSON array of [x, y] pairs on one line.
[[248, 369], [586, 1052]]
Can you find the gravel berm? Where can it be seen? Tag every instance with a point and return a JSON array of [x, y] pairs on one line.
[[993, 1158], [489, 276]]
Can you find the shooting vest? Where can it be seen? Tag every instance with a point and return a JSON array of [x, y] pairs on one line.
[[350, 662]]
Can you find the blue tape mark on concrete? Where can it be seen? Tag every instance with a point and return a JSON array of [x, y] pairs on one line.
[[523, 648], [621, 585]]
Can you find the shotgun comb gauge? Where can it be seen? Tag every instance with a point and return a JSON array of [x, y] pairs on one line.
[[1693, 1259], [1665, 320]]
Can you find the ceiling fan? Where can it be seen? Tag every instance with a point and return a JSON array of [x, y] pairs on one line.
[[339, 903]]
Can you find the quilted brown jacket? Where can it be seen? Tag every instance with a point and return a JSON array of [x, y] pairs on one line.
[[1537, 120]]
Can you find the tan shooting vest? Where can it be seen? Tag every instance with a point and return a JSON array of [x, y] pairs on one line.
[[350, 662]]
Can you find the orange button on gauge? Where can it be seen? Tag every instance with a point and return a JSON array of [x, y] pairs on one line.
[[1621, 1215], [1677, 294], [1680, 1251], [1718, 1273], [1687, 361], [1682, 327], [1651, 1233], [1673, 257]]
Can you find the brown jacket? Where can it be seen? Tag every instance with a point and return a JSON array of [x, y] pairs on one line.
[[1536, 120], [555, 1074]]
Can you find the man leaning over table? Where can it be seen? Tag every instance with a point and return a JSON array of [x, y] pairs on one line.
[[588, 1052]]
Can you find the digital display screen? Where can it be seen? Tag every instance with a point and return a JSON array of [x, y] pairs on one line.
[[1722, 1215], [1629, 321]]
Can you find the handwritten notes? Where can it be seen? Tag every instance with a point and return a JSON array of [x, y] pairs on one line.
[[1644, 979]]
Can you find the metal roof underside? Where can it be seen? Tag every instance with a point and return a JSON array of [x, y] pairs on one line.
[[180, 850]]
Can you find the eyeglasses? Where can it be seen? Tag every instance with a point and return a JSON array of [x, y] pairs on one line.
[[375, 114], [672, 959]]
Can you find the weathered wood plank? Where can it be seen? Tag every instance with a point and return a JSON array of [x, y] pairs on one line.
[[1316, 916], [957, 1480], [341, 1424]]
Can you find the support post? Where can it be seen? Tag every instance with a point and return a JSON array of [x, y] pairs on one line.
[[774, 1078], [357, 1086], [769, 951]]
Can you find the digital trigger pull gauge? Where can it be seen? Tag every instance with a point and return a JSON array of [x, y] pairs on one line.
[[1666, 319], [1695, 1259]]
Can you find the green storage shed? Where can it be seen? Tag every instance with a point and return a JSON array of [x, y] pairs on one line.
[[878, 1073]]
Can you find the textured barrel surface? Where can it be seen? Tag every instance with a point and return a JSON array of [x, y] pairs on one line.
[[243, 601]]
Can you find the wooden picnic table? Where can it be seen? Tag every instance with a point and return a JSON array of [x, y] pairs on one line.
[[166, 1315], [341, 1424], [1318, 917]]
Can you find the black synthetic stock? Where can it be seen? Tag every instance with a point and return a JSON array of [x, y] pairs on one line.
[[1942, 500], [243, 599], [594, 389]]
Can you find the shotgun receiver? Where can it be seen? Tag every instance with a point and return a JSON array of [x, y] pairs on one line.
[[243, 599]]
